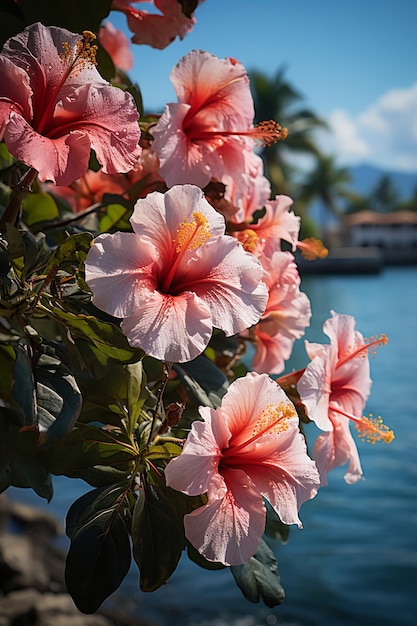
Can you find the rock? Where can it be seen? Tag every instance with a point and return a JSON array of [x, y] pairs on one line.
[[32, 582], [28, 606]]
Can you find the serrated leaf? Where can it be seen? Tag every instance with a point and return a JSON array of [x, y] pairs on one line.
[[259, 578], [99, 556], [155, 533]]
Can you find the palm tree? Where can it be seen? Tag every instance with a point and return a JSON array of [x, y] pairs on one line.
[[327, 183], [275, 98], [384, 197]]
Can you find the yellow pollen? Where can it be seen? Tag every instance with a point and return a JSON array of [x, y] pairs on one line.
[[249, 240], [191, 235], [372, 429], [269, 132], [82, 53], [274, 419], [374, 342], [312, 248]]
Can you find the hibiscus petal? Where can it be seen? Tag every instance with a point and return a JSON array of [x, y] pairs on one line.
[[314, 387], [170, 328], [336, 448], [288, 478], [60, 160], [181, 161], [228, 530], [158, 216], [118, 273], [229, 280]]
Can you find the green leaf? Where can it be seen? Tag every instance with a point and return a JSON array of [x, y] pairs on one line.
[[58, 398], [19, 466], [156, 539], [137, 394], [259, 578], [71, 252], [87, 447], [203, 380], [104, 335], [76, 15], [39, 207], [113, 214], [24, 385], [199, 560], [274, 527], [99, 556]]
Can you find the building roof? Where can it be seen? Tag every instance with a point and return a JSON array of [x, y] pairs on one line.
[[372, 217]]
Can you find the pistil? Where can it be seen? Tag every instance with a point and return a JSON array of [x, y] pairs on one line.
[[189, 236]]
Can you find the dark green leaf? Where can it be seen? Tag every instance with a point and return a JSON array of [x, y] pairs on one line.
[[70, 252], [156, 537], [76, 15], [105, 335], [87, 447], [259, 578], [274, 527], [23, 385], [203, 380], [19, 466], [58, 398], [99, 556], [199, 559]]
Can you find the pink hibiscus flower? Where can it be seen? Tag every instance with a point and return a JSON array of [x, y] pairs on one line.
[[156, 29], [89, 189], [278, 223], [248, 449], [286, 316], [55, 107], [176, 276], [209, 133], [117, 45], [334, 389]]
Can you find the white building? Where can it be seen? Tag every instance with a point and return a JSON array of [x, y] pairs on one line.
[[394, 233]]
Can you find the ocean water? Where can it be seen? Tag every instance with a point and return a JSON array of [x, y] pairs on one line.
[[355, 560]]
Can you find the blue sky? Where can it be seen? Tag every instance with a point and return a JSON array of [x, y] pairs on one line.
[[354, 61]]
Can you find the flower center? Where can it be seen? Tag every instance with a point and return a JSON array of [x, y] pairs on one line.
[[189, 236], [273, 419], [73, 59]]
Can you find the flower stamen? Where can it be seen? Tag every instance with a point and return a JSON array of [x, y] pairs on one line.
[[369, 429], [81, 54], [312, 248], [192, 235], [369, 345], [372, 429]]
